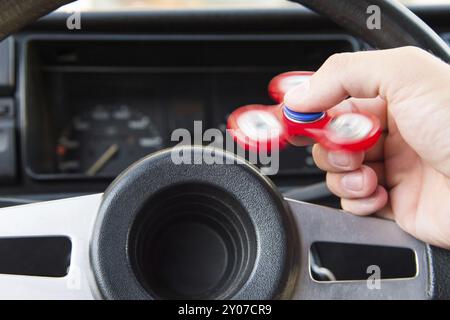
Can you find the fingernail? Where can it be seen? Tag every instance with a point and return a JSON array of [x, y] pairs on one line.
[[295, 96], [353, 181], [339, 159]]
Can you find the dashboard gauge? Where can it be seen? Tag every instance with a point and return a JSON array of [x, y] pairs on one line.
[[105, 140]]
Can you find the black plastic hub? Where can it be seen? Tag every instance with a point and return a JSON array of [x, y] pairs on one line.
[[193, 231]]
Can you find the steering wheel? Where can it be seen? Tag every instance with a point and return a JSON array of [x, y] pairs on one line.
[[214, 230]]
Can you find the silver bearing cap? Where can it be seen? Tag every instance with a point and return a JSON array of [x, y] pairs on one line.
[[350, 127]]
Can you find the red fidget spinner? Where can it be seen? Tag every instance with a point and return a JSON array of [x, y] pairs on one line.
[[259, 127]]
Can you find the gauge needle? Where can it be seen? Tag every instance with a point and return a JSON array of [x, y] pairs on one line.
[[100, 163]]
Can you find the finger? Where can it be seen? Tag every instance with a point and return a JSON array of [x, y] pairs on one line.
[[376, 202], [360, 74], [341, 161], [360, 183], [378, 168], [336, 161], [376, 153]]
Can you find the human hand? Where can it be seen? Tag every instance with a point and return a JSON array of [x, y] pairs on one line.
[[406, 176]]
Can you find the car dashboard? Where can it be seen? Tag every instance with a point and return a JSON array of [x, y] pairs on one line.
[[77, 107]]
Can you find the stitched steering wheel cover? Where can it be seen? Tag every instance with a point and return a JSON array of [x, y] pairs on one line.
[[274, 269]]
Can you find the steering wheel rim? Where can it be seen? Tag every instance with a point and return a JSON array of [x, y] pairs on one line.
[[399, 26], [403, 28]]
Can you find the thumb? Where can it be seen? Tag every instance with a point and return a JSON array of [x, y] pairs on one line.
[[359, 75]]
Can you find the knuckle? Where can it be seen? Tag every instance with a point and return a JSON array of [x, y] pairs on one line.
[[337, 60], [413, 53], [411, 50]]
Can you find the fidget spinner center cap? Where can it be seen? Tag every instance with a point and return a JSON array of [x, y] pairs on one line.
[[300, 117]]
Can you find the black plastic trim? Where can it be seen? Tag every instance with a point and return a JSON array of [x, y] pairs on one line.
[[23, 72]]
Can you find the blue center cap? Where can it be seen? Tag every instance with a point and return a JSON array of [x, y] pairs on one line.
[[302, 117]]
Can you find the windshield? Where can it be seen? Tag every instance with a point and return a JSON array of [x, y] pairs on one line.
[[106, 5]]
